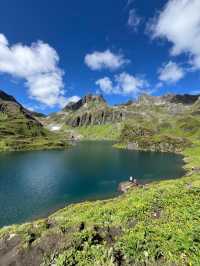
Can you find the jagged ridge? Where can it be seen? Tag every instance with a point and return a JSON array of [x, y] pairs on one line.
[[93, 109]]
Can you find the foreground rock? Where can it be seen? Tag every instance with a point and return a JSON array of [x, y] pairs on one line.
[[126, 186]]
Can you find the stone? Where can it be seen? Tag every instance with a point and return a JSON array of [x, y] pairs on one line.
[[126, 186]]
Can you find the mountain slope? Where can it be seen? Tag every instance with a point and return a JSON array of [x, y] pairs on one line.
[[19, 129], [155, 224], [16, 120], [93, 118]]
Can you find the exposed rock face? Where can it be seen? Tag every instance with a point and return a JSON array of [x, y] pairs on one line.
[[185, 99], [93, 109], [141, 138], [5, 97], [124, 187], [100, 117], [174, 145], [88, 99]]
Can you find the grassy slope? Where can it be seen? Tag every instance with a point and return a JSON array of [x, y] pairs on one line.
[[100, 132], [158, 224], [19, 133]]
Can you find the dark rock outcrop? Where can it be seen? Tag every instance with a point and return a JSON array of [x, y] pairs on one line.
[[6, 97], [96, 99], [100, 117], [185, 99], [93, 109]]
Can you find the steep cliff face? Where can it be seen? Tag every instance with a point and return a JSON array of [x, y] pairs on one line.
[[90, 110], [99, 117], [88, 101], [93, 110]]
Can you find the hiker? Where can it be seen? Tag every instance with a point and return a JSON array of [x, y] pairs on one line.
[[131, 179]]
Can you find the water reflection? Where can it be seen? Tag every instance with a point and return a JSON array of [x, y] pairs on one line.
[[33, 183]]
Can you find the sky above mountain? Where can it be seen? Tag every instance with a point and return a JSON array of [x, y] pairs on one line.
[[53, 52]]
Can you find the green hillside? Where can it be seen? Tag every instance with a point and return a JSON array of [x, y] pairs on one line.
[[155, 224], [20, 130]]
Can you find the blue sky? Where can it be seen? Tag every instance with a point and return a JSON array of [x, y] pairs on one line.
[[54, 51]]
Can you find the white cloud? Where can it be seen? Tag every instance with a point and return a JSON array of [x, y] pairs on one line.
[[3, 40], [73, 99], [133, 20], [105, 60], [105, 85], [171, 73], [38, 66], [123, 84], [179, 23], [159, 85]]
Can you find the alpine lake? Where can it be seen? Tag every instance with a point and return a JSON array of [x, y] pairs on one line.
[[33, 184]]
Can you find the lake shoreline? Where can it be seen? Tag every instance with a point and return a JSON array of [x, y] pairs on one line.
[[117, 177], [87, 217]]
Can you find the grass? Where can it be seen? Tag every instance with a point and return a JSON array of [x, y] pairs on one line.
[[157, 224], [19, 133], [100, 132]]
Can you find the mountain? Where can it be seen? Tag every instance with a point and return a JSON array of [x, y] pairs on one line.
[[164, 116], [88, 102], [19, 127], [151, 224], [93, 110], [15, 119]]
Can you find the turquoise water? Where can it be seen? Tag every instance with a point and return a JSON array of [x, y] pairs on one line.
[[32, 184]]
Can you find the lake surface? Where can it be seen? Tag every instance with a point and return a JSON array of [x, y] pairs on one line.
[[32, 184]]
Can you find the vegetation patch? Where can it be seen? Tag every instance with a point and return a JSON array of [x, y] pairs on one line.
[[154, 224], [100, 132]]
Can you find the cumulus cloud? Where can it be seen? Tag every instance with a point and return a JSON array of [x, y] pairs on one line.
[[105, 60], [179, 23], [123, 84], [133, 19], [106, 85], [171, 72], [73, 99], [37, 64]]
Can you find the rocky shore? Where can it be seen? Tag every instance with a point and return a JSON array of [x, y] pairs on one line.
[[124, 187]]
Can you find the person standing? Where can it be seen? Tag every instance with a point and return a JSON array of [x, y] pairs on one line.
[[131, 179]]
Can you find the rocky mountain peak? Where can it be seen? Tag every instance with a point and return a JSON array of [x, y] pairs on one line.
[[87, 100], [93, 98], [185, 99]]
